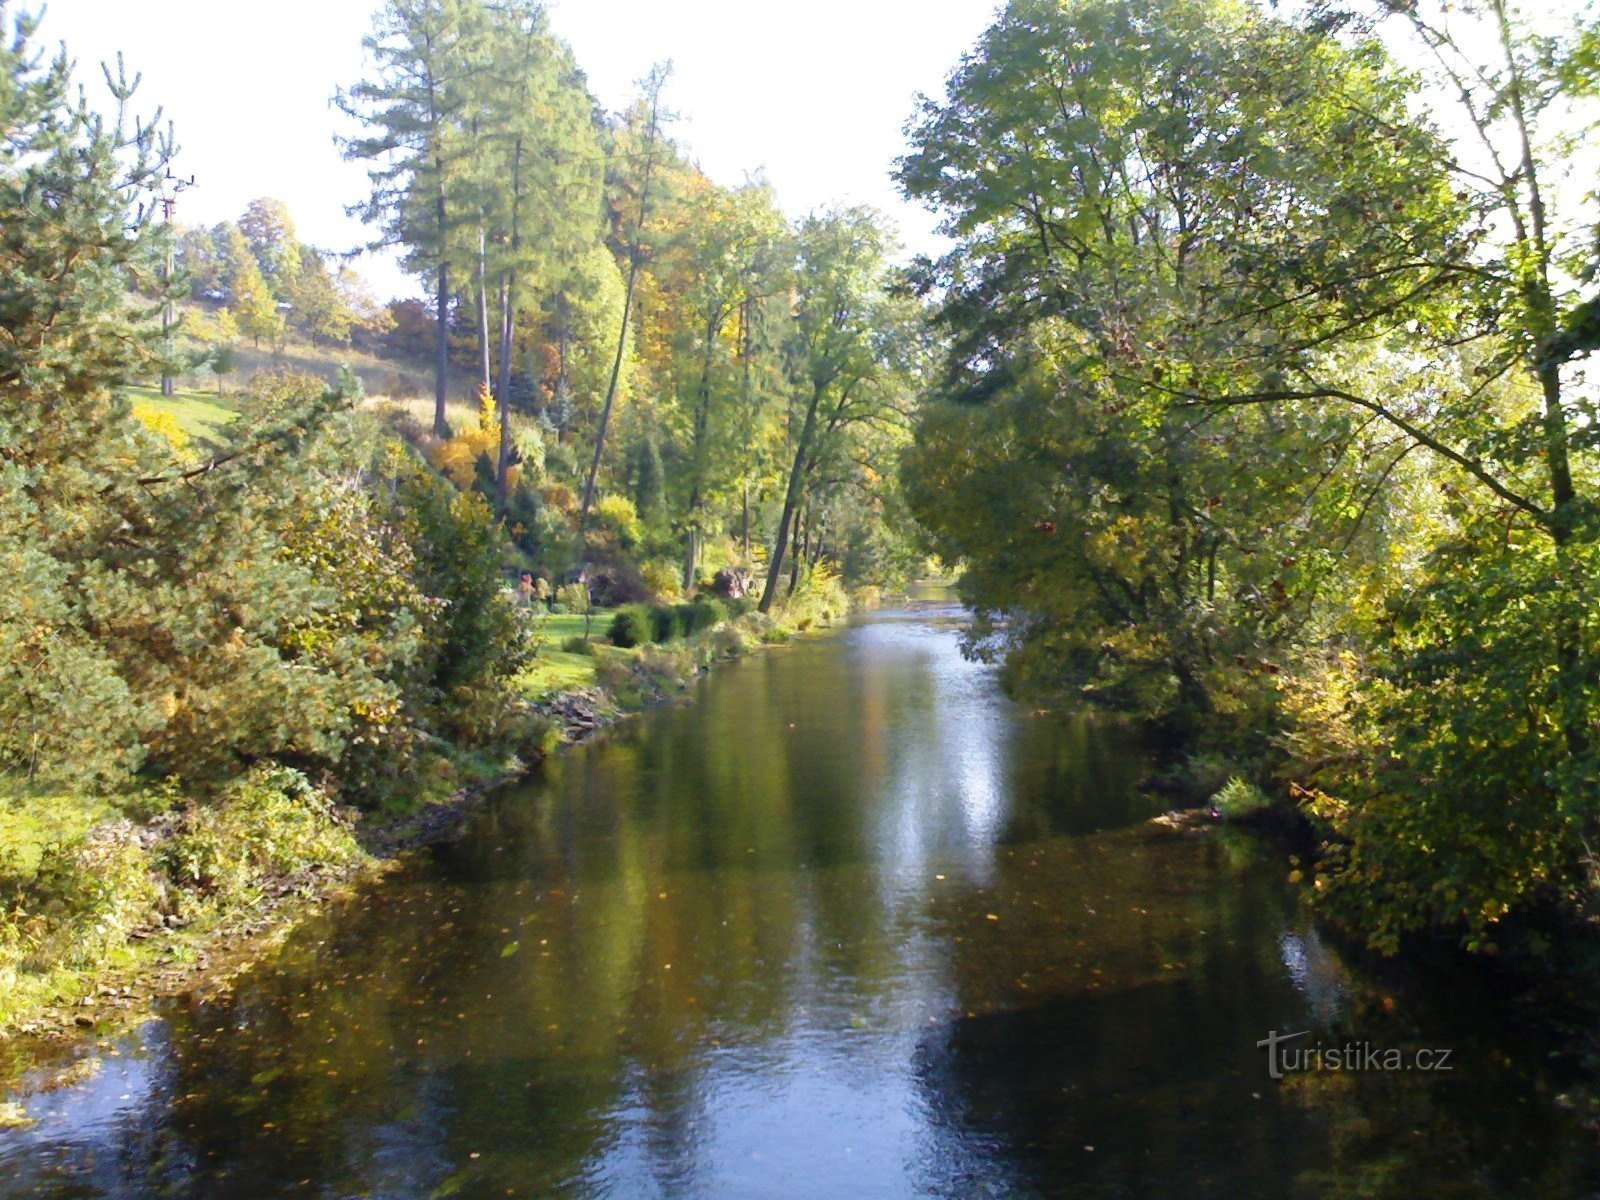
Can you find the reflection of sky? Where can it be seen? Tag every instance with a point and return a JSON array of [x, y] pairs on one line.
[[946, 764], [1316, 973]]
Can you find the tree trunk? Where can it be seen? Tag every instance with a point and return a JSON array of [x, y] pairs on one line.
[[441, 363], [702, 427], [483, 309], [791, 500], [508, 293]]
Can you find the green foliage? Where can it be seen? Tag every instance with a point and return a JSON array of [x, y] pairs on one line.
[[706, 612], [270, 826], [1254, 416], [84, 901], [633, 625], [1466, 802], [1239, 800], [616, 520], [666, 622]]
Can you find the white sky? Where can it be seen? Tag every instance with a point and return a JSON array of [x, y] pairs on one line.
[[813, 94]]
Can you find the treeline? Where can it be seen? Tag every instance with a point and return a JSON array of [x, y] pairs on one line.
[[256, 279], [1264, 416], [680, 379]]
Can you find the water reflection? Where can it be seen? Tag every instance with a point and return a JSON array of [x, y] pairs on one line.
[[850, 925]]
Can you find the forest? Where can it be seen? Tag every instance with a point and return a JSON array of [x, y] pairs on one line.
[[1248, 400]]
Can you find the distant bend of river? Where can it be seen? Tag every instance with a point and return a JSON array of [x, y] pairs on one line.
[[850, 924]]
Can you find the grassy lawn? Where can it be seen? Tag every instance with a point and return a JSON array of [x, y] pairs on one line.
[[197, 414], [554, 670]]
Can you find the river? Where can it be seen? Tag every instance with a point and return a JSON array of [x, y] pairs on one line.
[[847, 924]]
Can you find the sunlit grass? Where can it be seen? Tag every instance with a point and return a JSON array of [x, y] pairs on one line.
[[197, 414]]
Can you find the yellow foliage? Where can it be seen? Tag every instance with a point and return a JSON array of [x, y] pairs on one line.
[[159, 421], [488, 416], [458, 457]]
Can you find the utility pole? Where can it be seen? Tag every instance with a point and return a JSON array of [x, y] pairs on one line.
[[171, 185]]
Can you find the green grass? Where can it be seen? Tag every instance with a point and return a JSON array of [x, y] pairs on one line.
[[558, 627], [554, 670], [197, 414], [557, 671]]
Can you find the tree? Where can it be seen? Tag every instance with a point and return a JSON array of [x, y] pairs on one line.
[[851, 352], [269, 232], [538, 174], [424, 54], [654, 85]]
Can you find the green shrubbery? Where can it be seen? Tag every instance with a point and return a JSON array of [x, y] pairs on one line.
[[270, 825], [632, 626]]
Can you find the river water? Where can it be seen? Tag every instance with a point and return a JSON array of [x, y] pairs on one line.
[[850, 924]]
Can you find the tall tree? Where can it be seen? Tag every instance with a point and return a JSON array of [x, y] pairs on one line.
[[650, 146], [424, 55], [852, 361]]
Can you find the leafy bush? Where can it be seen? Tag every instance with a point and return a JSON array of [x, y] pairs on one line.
[[85, 900], [1239, 799], [578, 644], [818, 598], [632, 626], [662, 578], [271, 825], [731, 641], [616, 519], [664, 625], [706, 613]]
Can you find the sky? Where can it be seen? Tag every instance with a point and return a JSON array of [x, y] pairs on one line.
[[813, 95]]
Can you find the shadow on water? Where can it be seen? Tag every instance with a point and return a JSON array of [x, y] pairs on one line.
[[850, 924]]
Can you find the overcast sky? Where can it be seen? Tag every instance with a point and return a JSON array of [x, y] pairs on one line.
[[815, 95]]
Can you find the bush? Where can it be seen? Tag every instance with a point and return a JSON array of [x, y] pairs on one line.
[[1239, 799], [731, 641], [664, 623], [616, 519], [270, 825], [707, 613], [632, 626], [578, 644], [819, 598], [662, 578], [85, 900]]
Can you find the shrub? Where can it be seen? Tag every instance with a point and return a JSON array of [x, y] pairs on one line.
[[632, 626], [270, 825], [661, 577], [819, 597], [731, 641], [617, 519], [85, 900], [707, 613], [1240, 799], [664, 623], [578, 644]]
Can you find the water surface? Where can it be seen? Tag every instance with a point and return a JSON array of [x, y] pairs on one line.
[[850, 924]]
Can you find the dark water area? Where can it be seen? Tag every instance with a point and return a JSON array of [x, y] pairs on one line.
[[850, 924]]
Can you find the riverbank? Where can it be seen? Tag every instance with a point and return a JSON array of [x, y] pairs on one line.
[[175, 914]]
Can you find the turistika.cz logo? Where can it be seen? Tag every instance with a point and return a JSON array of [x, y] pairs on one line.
[[1286, 1055]]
